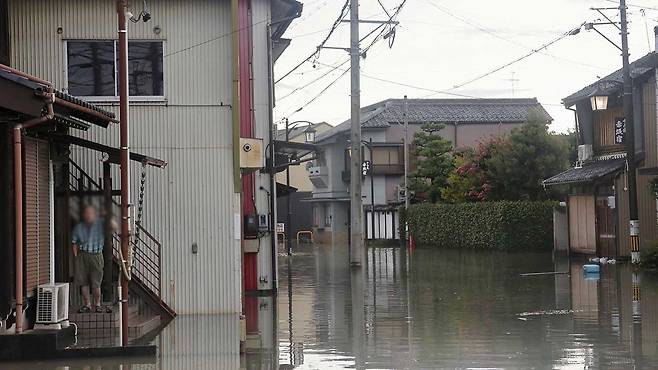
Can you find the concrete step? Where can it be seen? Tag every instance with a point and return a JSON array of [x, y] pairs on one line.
[[142, 325], [94, 321]]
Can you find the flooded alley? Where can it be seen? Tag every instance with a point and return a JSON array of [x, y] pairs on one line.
[[430, 309]]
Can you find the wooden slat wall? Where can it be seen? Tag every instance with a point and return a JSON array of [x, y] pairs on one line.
[[646, 202], [582, 224], [622, 215], [37, 213], [604, 128], [649, 113]]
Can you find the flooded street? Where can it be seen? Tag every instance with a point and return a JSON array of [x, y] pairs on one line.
[[433, 309], [462, 309]]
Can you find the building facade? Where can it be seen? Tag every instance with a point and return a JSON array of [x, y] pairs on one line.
[[200, 80], [598, 205], [467, 122]]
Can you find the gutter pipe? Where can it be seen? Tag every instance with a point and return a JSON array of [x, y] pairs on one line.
[[18, 203], [124, 159]]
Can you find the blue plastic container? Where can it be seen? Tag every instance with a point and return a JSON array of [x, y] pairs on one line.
[[591, 269]]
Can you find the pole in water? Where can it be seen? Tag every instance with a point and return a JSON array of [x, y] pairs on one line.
[[356, 204]]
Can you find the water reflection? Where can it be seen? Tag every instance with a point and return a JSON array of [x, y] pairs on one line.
[[428, 309], [463, 309]]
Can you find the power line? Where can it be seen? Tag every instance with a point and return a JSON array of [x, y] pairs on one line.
[[385, 32], [332, 68], [446, 92], [341, 16], [514, 42], [534, 51]]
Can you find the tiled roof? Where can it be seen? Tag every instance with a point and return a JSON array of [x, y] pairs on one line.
[[383, 114], [612, 82], [587, 173]]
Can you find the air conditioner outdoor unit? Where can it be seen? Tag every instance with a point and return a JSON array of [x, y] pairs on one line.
[[585, 152], [52, 303]]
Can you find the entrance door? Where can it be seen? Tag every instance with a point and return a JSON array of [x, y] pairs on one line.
[[606, 228]]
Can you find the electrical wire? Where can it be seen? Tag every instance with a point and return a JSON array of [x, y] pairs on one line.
[[387, 29], [511, 41], [532, 52], [341, 16]]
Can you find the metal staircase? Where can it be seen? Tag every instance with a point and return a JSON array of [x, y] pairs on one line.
[[146, 281]]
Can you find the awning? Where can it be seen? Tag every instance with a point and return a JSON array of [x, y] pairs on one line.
[[294, 149], [113, 153], [283, 190], [589, 172]]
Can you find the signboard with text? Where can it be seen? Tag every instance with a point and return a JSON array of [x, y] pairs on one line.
[[620, 130]]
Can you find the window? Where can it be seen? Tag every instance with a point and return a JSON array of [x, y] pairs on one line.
[[386, 155], [92, 68]]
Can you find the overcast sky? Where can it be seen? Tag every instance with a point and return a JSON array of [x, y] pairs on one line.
[[442, 43]]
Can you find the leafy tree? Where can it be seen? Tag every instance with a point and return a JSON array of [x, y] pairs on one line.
[[469, 181], [433, 160], [519, 164]]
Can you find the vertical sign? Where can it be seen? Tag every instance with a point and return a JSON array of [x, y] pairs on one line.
[[620, 130]]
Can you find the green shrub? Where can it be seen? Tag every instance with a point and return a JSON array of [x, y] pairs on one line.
[[520, 225]]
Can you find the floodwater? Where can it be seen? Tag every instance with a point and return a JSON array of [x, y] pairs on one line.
[[429, 309], [456, 309]]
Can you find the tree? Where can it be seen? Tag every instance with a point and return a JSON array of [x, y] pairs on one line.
[[432, 157], [469, 181], [520, 163]]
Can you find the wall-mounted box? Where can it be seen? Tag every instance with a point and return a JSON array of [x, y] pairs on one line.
[[251, 154]]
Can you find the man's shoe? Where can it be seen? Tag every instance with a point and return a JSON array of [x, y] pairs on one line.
[[84, 309]]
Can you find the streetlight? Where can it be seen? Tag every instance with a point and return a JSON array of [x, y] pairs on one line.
[[310, 133], [599, 102]]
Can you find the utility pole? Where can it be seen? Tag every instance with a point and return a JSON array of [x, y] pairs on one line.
[[630, 138], [405, 116], [356, 220], [372, 192], [288, 229], [124, 163]]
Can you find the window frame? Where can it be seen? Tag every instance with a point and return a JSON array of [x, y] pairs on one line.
[[115, 98]]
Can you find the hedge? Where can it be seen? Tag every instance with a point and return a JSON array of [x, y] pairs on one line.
[[484, 225]]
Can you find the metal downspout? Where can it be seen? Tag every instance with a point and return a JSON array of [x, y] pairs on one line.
[[124, 166], [18, 204], [272, 169], [235, 106]]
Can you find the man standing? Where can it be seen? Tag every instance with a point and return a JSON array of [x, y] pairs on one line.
[[88, 244]]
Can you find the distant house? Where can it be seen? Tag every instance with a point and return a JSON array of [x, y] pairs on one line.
[[468, 122], [598, 200], [301, 187]]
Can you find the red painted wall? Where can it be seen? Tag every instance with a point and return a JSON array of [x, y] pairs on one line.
[[245, 55]]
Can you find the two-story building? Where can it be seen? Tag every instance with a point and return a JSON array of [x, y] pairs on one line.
[[598, 205], [200, 83], [467, 122]]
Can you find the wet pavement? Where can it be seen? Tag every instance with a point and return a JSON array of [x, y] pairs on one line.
[[434, 309]]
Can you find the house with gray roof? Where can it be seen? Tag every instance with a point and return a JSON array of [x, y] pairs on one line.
[[467, 122], [597, 204]]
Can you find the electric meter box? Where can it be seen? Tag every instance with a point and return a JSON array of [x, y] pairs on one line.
[[251, 154]]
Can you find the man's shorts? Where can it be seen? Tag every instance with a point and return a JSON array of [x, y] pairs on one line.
[[89, 269]]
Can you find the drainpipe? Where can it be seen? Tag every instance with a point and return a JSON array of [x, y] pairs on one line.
[[235, 105], [270, 97], [18, 204], [124, 169]]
